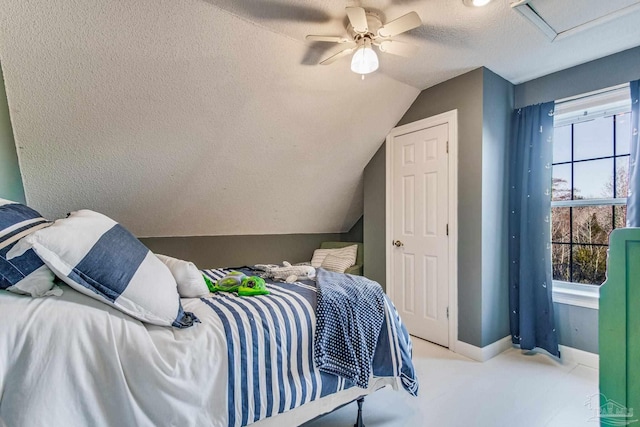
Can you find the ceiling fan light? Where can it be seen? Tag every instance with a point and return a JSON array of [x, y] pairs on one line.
[[476, 3], [365, 60]]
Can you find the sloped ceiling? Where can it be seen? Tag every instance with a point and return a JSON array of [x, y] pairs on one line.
[[210, 117]]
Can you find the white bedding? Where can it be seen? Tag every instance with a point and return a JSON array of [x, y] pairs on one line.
[[73, 361], [78, 359]]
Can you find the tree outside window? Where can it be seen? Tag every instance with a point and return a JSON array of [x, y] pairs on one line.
[[589, 188]]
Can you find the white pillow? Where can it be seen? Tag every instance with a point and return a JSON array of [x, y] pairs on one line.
[[98, 257], [37, 284], [348, 252], [190, 282], [336, 263]]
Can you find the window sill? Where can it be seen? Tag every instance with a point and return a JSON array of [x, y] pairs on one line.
[[577, 294]]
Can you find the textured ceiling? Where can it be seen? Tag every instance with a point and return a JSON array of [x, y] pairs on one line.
[[210, 117], [564, 15]]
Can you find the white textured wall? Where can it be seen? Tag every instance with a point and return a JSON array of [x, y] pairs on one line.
[[177, 118], [190, 117]]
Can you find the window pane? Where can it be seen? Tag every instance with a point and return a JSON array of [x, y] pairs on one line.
[[621, 216], [562, 144], [593, 139], [560, 261], [623, 133], [560, 225], [592, 224], [593, 179], [589, 264], [622, 176], [561, 187]]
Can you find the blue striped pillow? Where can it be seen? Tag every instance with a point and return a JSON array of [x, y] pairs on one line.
[[24, 273], [98, 257]]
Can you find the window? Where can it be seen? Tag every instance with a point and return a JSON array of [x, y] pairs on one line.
[[590, 177]]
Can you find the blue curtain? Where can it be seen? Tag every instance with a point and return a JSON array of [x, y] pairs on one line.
[[531, 155], [633, 198]]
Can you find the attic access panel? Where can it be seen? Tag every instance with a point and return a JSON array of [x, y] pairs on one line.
[[558, 19]]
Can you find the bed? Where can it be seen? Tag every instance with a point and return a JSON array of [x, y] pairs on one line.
[[97, 330], [72, 360]]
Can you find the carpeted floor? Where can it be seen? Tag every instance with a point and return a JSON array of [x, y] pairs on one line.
[[512, 389]]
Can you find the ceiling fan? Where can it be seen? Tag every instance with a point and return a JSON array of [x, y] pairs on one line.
[[366, 30]]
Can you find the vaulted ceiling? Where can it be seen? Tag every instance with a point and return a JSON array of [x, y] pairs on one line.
[[211, 117]]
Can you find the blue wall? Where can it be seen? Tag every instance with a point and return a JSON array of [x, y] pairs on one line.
[[497, 107], [609, 71], [10, 179], [374, 218], [484, 102], [577, 327], [463, 93]]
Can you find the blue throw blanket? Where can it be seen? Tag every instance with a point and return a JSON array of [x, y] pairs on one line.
[[271, 346], [353, 315]]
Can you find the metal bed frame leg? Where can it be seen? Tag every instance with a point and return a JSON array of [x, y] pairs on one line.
[[359, 422]]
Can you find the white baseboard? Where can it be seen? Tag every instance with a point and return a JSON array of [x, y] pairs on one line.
[[581, 357], [569, 355], [485, 353]]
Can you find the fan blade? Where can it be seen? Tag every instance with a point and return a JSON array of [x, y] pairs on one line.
[[398, 48], [358, 19], [330, 39], [338, 55], [405, 23]]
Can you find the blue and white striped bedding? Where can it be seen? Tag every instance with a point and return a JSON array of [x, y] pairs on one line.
[[270, 350], [74, 361], [99, 257], [25, 273]]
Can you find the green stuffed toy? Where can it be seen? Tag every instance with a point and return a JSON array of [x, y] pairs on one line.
[[253, 285], [239, 282]]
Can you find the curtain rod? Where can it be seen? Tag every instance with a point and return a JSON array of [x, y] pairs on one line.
[[593, 93]]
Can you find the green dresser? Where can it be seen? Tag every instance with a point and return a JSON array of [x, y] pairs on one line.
[[619, 330]]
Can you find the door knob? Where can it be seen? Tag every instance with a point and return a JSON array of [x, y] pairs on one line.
[[397, 243]]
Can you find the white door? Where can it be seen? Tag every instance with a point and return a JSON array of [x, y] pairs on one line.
[[419, 220]]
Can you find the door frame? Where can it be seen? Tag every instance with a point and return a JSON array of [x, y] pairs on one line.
[[450, 118]]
